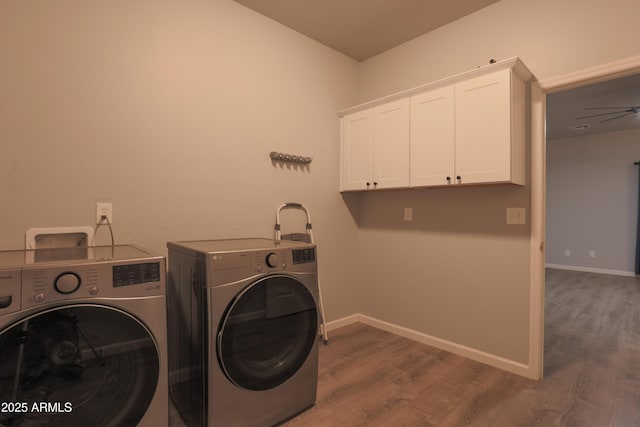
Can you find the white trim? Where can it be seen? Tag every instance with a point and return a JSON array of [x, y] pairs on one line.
[[599, 73], [579, 78], [592, 270], [514, 63], [345, 321], [537, 234], [451, 347]]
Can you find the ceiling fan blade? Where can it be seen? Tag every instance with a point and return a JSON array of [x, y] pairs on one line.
[[610, 108], [603, 114], [617, 117]]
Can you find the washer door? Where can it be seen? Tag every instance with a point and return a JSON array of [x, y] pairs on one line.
[[80, 365], [267, 333]]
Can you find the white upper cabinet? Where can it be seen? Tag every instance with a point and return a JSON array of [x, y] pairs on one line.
[[391, 145], [356, 155], [489, 129], [375, 147], [432, 137], [466, 129], [471, 132]]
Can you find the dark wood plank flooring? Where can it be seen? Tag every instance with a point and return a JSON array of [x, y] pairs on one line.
[[592, 370], [369, 377]]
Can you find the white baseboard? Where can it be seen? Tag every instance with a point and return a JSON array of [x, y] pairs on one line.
[[345, 321], [591, 270], [467, 352]]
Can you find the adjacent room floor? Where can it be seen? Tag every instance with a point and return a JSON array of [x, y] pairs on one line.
[[369, 377]]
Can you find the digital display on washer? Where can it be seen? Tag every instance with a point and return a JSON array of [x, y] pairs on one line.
[[302, 256], [134, 274]]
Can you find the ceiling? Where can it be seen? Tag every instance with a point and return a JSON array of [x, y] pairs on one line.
[[364, 28], [567, 111]]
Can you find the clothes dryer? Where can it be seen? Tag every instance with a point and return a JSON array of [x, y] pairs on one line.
[[243, 330], [83, 337]]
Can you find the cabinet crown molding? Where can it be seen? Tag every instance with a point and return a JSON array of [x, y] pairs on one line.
[[514, 63]]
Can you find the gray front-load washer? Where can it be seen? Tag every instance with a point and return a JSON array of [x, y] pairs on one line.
[[243, 330], [83, 337]]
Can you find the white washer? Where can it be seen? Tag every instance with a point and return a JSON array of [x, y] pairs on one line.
[[83, 337], [243, 330]]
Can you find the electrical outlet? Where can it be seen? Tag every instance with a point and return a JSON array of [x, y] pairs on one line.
[[104, 210], [408, 214], [592, 254], [567, 252], [516, 216]]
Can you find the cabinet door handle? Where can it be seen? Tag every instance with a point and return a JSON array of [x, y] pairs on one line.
[[368, 184], [448, 179], [459, 178], [375, 184]]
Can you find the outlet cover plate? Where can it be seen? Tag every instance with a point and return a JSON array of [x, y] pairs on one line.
[[516, 216]]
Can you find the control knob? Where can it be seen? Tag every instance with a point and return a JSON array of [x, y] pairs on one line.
[[67, 283], [272, 259]]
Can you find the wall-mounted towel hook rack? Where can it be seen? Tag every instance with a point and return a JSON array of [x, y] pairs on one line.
[[283, 157]]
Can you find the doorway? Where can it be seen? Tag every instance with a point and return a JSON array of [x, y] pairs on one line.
[[539, 93], [592, 141]]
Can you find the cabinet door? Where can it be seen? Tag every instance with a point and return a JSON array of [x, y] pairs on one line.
[[432, 138], [357, 150], [483, 129], [391, 145]]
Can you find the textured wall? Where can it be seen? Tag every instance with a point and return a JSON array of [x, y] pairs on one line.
[[458, 273], [169, 109], [592, 200]]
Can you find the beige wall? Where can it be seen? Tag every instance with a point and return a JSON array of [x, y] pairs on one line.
[[458, 273], [551, 37], [169, 110], [592, 201]]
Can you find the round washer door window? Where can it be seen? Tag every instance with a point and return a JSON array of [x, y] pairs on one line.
[[82, 365], [267, 333]]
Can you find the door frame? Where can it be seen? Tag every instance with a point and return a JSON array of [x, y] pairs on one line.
[[539, 91]]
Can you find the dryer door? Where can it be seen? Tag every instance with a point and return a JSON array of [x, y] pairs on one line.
[[80, 365], [267, 332]]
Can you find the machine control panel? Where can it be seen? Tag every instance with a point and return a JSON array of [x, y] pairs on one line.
[[302, 259], [227, 266], [43, 285], [135, 274], [272, 259], [304, 256], [226, 260], [67, 283]]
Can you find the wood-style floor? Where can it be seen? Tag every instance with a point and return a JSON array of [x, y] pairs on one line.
[[369, 377]]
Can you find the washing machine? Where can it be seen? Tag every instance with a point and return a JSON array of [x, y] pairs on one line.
[[83, 337], [243, 330]]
